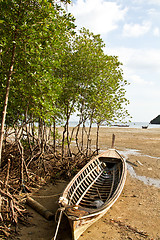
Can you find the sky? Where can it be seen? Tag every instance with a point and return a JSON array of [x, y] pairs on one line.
[[131, 31]]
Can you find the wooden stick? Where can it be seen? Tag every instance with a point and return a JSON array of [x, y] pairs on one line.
[[135, 165], [1, 218], [50, 196], [14, 214], [7, 175], [21, 151], [113, 140], [6, 194], [39, 208]]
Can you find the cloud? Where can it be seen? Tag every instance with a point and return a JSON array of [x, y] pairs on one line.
[[156, 32], [138, 80], [141, 67], [137, 59], [142, 70], [145, 59], [150, 2], [136, 30], [143, 100], [99, 16], [156, 2]]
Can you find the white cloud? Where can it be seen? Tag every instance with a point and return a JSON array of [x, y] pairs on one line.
[[142, 70], [153, 12], [99, 16], [154, 2], [156, 32], [138, 80], [136, 30], [137, 59], [145, 59], [143, 100]]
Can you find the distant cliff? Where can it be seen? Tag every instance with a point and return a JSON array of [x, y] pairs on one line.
[[155, 120]]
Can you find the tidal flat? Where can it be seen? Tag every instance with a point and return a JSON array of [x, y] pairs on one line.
[[135, 215]]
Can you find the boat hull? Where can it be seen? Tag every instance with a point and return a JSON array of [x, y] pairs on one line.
[[105, 176], [78, 227]]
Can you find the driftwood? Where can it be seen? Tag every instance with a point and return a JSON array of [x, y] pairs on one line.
[[139, 163], [39, 208], [135, 165], [50, 196]]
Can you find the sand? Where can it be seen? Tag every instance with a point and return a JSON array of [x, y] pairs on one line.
[[135, 215]]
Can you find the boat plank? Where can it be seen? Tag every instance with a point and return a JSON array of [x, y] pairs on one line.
[[93, 190]]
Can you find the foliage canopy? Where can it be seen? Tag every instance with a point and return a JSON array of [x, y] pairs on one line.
[[55, 71]]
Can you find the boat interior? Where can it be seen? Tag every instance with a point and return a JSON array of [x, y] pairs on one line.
[[96, 184]]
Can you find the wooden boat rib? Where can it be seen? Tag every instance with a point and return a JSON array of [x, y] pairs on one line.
[[93, 190]]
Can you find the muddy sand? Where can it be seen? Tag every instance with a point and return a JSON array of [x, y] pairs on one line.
[[135, 215]]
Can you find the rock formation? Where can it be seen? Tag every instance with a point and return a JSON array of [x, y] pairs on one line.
[[155, 120]]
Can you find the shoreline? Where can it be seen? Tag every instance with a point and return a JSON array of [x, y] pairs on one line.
[[121, 125]]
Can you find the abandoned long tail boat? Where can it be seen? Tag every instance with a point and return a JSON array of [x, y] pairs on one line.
[[93, 191]]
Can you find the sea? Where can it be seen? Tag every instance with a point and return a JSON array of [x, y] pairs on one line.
[[113, 125]]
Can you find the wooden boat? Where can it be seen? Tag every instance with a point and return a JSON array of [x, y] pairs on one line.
[[93, 191], [144, 127], [120, 125]]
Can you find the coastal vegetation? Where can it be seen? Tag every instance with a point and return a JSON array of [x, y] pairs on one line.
[[50, 71]]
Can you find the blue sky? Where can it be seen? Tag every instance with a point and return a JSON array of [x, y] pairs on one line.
[[131, 31]]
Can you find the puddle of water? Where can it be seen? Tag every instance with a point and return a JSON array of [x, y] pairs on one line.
[[146, 180], [127, 152], [151, 156], [135, 152]]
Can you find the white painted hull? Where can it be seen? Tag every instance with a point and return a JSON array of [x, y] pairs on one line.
[[104, 178]]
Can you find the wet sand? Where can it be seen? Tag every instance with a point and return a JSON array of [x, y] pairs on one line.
[[135, 215]]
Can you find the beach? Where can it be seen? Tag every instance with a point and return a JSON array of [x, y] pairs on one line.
[[136, 214]]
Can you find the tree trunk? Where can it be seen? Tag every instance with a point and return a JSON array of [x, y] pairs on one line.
[[66, 129], [63, 141], [6, 96], [33, 132], [54, 135], [89, 133], [97, 139], [68, 141], [82, 138]]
